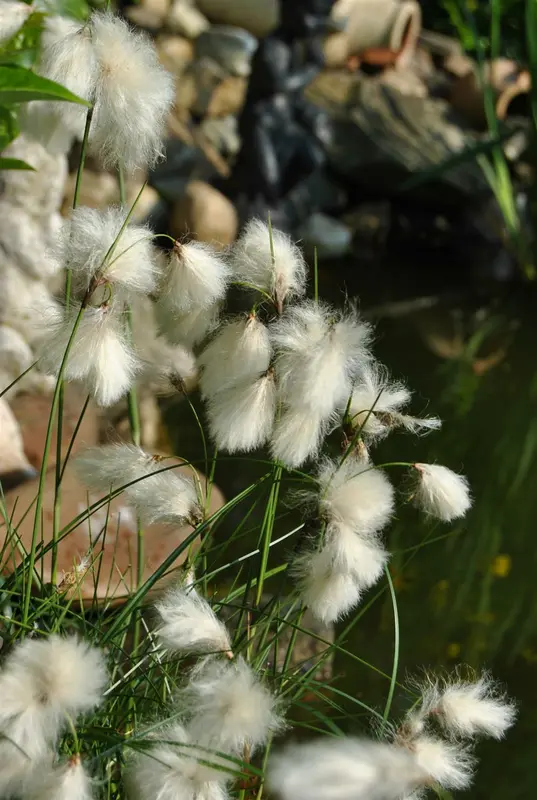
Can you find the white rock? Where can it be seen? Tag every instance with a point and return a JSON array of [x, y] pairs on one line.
[[39, 192], [22, 301], [25, 240], [12, 458], [15, 353], [186, 19]]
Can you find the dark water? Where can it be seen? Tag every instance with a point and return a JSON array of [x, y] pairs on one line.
[[465, 593]]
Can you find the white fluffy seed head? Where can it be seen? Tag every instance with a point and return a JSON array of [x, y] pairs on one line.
[[189, 329], [281, 273], [196, 278], [355, 494], [57, 676], [373, 393], [342, 769], [239, 351], [166, 367], [133, 95], [12, 16], [168, 770], [67, 57], [449, 764], [69, 781], [113, 465], [364, 557], [440, 492], [158, 494], [298, 435], [189, 625], [87, 248], [329, 593], [318, 353], [468, 709], [229, 708], [241, 417], [100, 356]]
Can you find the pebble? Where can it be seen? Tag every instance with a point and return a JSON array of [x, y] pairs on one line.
[[228, 97], [186, 19], [14, 466], [175, 53], [232, 48], [330, 237], [149, 14], [259, 17], [108, 538], [205, 215], [223, 134]]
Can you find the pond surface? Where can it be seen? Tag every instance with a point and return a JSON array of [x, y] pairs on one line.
[[465, 593]]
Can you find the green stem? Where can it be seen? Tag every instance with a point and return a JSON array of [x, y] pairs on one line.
[[136, 435], [44, 464], [59, 430], [395, 666]]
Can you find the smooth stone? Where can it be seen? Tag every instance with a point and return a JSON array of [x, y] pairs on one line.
[[32, 414], [107, 539], [208, 74], [223, 134], [259, 17], [97, 190], [148, 200], [186, 19], [232, 48], [206, 215], [330, 237], [336, 49], [14, 466], [228, 97], [149, 14], [174, 52]]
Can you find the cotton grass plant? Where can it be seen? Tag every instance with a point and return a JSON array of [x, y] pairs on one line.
[[196, 694]]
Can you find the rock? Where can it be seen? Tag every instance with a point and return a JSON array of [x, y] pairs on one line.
[[26, 240], [404, 81], [336, 50], [186, 91], [106, 540], [40, 193], [232, 48], [175, 53], [150, 14], [186, 19], [259, 17], [147, 202], [14, 466], [382, 137], [15, 353], [228, 97], [208, 74], [32, 413], [223, 134], [330, 237], [21, 300], [205, 215], [97, 190]]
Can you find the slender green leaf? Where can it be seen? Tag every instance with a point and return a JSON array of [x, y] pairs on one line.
[[14, 163], [19, 85]]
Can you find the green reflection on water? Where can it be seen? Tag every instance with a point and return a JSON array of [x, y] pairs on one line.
[[466, 593]]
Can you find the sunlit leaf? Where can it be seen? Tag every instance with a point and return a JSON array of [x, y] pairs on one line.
[[14, 163], [18, 85]]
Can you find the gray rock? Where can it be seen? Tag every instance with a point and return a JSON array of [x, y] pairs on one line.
[[330, 237], [232, 48]]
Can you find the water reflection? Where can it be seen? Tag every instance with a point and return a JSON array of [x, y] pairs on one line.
[[466, 593]]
